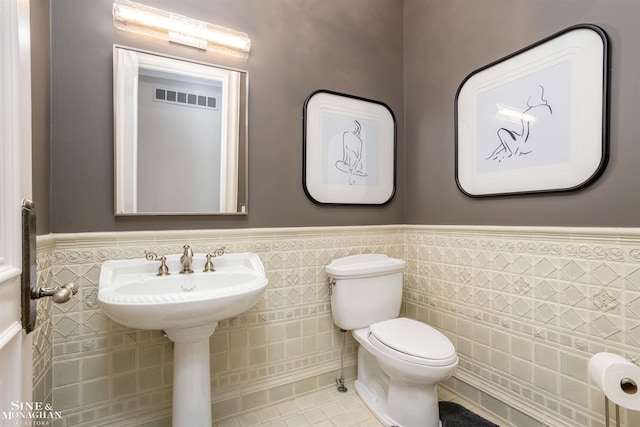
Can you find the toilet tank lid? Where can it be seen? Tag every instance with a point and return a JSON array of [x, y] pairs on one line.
[[364, 265]]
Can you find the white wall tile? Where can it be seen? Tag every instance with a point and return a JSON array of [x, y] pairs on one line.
[[526, 307]]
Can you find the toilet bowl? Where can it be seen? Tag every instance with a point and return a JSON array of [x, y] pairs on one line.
[[398, 373], [400, 360]]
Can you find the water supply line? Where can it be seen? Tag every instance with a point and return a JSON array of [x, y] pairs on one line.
[[340, 381]]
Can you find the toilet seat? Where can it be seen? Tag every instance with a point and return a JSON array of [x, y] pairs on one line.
[[412, 341]]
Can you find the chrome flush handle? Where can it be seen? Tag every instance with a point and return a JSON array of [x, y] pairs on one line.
[[332, 283]]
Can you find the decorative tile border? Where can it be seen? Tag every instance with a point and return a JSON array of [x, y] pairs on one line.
[[525, 307], [103, 370], [42, 335]]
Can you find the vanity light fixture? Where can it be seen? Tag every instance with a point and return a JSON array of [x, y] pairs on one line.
[[158, 23]]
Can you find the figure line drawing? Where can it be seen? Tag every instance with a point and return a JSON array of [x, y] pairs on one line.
[[352, 152], [517, 143]]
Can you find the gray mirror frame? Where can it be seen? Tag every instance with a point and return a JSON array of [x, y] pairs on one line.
[[125, 130]]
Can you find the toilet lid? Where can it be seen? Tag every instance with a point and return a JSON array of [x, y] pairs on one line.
[[414, 341]]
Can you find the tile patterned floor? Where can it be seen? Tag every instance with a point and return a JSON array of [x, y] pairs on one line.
[[325, 408]]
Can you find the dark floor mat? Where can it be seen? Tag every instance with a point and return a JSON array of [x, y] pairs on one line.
[[454, 415]]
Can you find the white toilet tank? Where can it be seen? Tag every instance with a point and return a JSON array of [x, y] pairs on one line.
[[367, 289]]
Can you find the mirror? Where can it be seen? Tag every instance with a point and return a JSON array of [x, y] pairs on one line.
[[180, 136]]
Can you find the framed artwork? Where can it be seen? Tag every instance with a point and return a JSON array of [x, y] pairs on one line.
[[349, 152], [535, 121]]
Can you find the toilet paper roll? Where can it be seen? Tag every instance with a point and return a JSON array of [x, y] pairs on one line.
[[618, 378]]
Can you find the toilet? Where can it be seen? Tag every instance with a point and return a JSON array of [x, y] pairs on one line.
[[400, 360]]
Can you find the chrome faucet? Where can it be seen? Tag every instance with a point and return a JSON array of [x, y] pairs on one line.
[[186, 259]]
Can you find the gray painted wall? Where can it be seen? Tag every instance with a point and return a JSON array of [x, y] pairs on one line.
[[357, 47], [40, 112], [445, 40], [353, 47]]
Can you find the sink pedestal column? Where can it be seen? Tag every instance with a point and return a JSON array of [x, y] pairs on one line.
[[191, 375]]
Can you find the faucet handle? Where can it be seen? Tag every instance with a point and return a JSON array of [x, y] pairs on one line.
[[163, 270], [208, 266], [219, 251]]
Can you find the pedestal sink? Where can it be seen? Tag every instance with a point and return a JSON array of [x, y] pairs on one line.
[[187, 307]]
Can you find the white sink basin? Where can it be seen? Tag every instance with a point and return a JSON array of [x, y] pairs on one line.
[[131, 293], [188, 307]]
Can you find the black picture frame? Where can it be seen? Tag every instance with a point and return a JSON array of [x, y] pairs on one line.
[[536, 121], [349, 150]]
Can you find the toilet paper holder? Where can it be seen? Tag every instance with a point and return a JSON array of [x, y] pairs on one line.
[[618, 378], [627, 385]]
